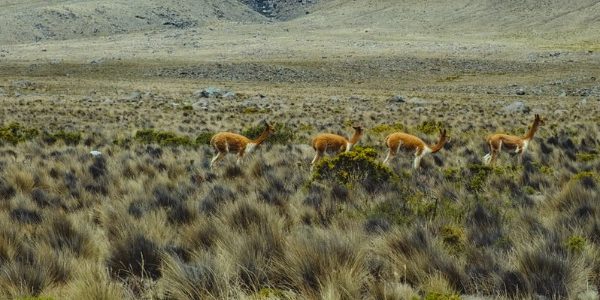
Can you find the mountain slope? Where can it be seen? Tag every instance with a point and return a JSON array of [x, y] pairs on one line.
[[526, 17], [31, 21]]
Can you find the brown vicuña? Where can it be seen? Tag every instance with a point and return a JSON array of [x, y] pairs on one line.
[[228, 142], [400, 141], [518, 144], [333, 143]]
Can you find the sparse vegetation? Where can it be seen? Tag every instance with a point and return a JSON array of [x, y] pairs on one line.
[[145, 217], [163, 138], [15, 133]]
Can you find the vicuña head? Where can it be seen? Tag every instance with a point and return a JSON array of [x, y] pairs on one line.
[[400, 141], [333, 143], [228, 142], [512, 143]]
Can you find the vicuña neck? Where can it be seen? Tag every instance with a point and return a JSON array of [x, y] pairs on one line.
[[355, 137], [532, 130], [263, 136]]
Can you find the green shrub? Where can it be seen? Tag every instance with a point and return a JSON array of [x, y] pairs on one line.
[[15, 133], [453, 236], [586, 175], [69, 137], [586, 156], [255, 110], [393, 210], [122, 142], [528, 190], [430, 127], [204, 138], [544, 169], [386, 128], [452, 174], [575, 243], [357, 166], [163, 138], [477, 177]]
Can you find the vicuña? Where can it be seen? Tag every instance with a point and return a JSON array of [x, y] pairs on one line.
[[228, 142], [333, 143], [515, 144], [400, 141]]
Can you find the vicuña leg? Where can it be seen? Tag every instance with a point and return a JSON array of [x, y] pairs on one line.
[[318, 156], [521, 154], [389, 157], [240, 158], [494, 157], [417, 161], [218, 157]]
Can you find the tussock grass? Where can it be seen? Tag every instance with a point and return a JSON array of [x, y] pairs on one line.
[[148, 219]]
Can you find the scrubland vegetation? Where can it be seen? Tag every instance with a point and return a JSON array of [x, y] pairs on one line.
[[147, 83], [148, 218]]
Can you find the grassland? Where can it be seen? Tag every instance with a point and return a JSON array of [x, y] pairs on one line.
[[148, 219]]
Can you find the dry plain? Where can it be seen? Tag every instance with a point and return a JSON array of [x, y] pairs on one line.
[[148, 219]]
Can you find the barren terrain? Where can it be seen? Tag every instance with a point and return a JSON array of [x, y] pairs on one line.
[[146, 83]]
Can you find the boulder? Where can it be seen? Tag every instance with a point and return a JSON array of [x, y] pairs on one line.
[[417, 101], [397, 99], [201, 104], [517, 107], [209, 92], [229, 95], [134, 96], [23, 84]]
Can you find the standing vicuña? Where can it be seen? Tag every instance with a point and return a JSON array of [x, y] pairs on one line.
[[510, 142], [402, 141], [226, 142], [333, 143]]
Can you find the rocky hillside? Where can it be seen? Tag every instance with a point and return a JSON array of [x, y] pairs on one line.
[[283, 9], [32, 21], [39, 20]]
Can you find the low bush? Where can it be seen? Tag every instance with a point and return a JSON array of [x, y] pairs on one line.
[[204, 138], [430, 127], [15, 133], [163, 138], [359, 166], [68, 137], [387, 128]]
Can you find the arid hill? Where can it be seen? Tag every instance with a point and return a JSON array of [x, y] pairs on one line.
[[34, 21]]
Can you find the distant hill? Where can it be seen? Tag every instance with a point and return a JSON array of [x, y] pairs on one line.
[[528, 17], [39, 20], [36, 20]]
